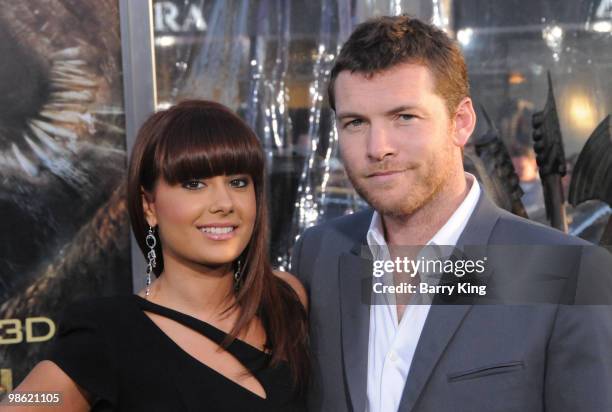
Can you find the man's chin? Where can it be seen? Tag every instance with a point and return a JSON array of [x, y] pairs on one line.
[[391, 207], [388, 199]]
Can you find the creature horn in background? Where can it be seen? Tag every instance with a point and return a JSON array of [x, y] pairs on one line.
[[548, 145], [502, 182], [592, 176]]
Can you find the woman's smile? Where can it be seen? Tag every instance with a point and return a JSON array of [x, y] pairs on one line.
[[219, 231]]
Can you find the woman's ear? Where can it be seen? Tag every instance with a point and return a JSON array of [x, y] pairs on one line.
[[148, 207], [464, 122]]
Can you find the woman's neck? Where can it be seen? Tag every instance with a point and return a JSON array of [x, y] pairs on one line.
[[201, 292]]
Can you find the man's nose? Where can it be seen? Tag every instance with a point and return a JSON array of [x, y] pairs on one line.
[[380, 144], [222, 201]]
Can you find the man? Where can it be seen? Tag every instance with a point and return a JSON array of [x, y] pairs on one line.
[[526, 167], [400, 93]]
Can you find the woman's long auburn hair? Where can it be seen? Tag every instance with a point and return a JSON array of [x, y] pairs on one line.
[[197, 139]]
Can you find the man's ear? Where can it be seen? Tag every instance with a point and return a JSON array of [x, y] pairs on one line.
[[148, 207], [464, 122]]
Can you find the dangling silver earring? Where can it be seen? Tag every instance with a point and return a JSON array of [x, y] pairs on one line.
[[237, 275], [151, 242]]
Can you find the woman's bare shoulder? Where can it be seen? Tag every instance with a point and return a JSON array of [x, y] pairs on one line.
[[295, 283]]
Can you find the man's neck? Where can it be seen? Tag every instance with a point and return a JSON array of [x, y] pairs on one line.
[[419, 227]]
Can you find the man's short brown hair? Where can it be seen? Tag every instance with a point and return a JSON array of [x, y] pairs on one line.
[[384, 42]]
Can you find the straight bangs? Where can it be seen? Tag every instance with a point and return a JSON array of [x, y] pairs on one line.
[[206, 142]]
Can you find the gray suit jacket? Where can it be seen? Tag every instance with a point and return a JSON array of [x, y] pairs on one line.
[[544, 357]]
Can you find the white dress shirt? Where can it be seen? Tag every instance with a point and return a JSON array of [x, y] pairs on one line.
[[391, 346]]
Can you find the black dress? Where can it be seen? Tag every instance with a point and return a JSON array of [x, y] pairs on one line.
[[114, 351]]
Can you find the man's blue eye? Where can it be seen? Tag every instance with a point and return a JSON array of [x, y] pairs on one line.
[[406, 116], [354, 123]]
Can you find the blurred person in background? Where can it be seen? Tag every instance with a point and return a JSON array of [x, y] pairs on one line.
[[526, 167]]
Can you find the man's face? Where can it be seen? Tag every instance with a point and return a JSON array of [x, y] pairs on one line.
[[396, 137], [526, 167]]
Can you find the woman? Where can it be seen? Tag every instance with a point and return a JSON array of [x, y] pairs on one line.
[[218, 329]]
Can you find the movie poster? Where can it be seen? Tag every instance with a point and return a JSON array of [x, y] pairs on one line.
[[64, 231]]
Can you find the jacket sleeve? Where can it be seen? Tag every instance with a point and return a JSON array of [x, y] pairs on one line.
[[579, 358]]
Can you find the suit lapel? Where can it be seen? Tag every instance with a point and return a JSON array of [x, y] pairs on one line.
[[444, 320], [355, 280]]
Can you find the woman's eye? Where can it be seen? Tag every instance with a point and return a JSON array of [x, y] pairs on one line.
[[193, 184], [240, 182]]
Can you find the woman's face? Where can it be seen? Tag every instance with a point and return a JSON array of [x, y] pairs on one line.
[[203, 221]]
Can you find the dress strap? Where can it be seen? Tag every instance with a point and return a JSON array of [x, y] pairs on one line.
[[247, 354]]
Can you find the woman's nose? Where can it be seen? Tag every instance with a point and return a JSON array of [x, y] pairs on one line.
[[221, 201]]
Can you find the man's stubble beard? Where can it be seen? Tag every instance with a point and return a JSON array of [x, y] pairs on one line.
[[426, 189]]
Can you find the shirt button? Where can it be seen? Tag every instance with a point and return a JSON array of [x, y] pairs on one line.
[[392, 356]]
